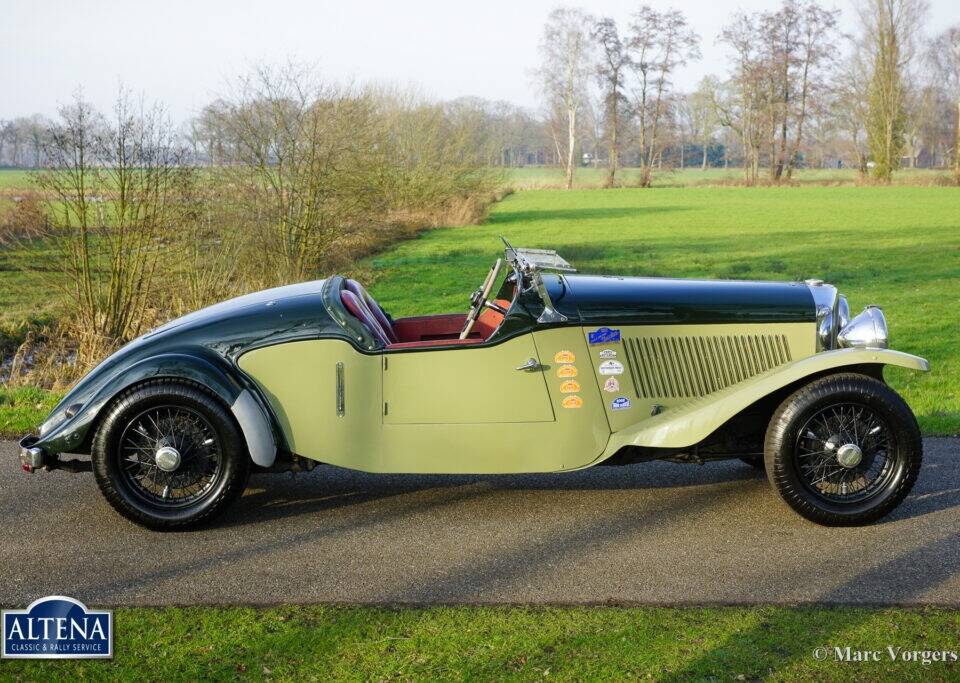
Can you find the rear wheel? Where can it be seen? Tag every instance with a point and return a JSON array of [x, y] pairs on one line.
[[169, 456], [844, 450]]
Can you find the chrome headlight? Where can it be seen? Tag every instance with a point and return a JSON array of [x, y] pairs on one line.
[[867, 330]]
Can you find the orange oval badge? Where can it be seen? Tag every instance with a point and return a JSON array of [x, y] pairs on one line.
[[567, 371], [572, 402], [564, 357], [571, 386]]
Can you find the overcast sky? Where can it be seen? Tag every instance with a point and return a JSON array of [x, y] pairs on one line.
[[182, 52]]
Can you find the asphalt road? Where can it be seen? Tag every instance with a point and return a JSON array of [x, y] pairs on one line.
[[656, 534]]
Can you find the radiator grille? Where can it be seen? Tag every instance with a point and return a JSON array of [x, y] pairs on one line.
[[693, 366]]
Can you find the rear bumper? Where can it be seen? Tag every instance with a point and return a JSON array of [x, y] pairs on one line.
[[32, 457]]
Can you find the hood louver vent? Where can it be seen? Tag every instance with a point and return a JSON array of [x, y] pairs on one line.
[[694, 366]]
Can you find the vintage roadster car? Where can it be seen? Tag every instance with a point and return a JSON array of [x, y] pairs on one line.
[[552, 371]]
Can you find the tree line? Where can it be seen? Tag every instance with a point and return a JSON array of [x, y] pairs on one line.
[[797, 92], [791, 97]]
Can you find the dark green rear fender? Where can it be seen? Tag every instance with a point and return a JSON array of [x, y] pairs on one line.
[[253, 417]]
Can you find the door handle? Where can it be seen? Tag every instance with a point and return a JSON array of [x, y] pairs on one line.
[[531, 365]]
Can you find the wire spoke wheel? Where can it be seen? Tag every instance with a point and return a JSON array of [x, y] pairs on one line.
[[170, 456], [843, 450], [845, 453]]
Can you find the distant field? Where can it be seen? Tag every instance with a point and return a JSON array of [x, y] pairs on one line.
[[894, 246], [13, 178], [541, 177]]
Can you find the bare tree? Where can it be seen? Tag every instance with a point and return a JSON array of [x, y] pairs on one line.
[[814, 59], [305, 159], [782, 62], [4, 135], [850, 95], [564, 70], [890, 29], [611, 73], [944, 57], [742, 102], [703, 114], [108, 193], [660, 43]]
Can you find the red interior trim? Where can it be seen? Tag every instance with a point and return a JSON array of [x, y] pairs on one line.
[[436, 342], [444, 329]]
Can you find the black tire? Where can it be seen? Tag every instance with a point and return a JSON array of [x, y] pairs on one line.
[[211, 473], [814, 483]]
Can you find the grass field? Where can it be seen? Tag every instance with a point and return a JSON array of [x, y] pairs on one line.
[[543, 177], [898, 247], [14, 179], [512, 643]]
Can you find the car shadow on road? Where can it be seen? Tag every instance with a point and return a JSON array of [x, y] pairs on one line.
[[271, 496]]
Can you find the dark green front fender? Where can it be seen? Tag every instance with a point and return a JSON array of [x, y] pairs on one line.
[[90, 398]]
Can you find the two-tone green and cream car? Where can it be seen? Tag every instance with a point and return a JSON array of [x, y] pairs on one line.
[[549, 371]]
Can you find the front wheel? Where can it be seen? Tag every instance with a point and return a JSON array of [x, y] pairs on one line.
[[843, 450], [169, 456]]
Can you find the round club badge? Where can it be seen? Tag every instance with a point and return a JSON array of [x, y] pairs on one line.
[[564, 357], [572, 401], [567, 371], [571, 386]]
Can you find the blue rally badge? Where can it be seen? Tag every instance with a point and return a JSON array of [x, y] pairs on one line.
[[57, 627], [604, 336], [620, 403]]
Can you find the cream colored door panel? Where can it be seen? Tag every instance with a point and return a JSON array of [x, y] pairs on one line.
[[466, 385], [574, 439], [319, 421]]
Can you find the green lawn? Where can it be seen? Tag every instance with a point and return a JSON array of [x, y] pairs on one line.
[[511, 643], [896, 246], [23, 408]]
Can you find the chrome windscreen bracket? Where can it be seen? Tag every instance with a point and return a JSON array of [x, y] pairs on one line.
[[550, 314], [529, 263]]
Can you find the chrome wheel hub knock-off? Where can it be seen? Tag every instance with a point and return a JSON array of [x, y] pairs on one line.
[[849, 455], [167, 458], [844, 452], [170, 456]]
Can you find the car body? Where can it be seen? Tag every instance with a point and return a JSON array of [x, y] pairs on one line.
[[558, 371]]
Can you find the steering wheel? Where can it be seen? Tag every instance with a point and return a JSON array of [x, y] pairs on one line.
[[480, 299]]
